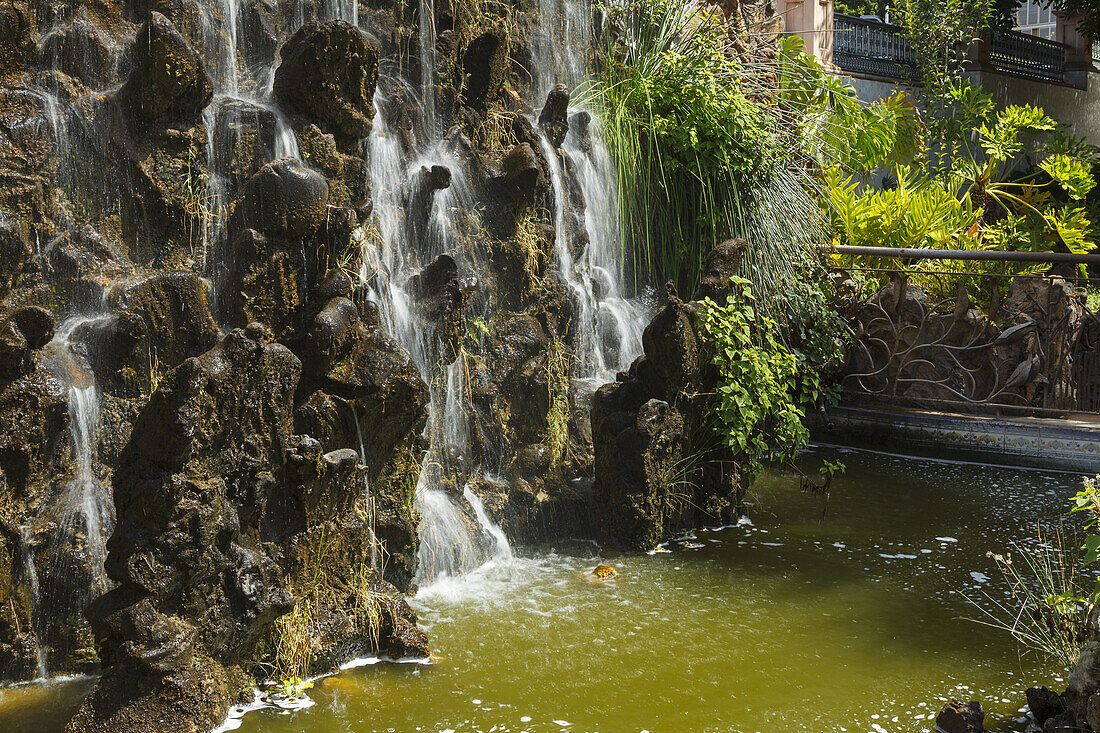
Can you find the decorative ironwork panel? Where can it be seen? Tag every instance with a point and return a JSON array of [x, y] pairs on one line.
[[1034, 350], [872, 47], [1025, 55]]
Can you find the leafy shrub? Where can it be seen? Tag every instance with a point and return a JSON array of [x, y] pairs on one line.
[[764, 384], [1005, 180]]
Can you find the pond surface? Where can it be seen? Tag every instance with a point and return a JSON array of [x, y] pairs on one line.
[[791, 623]]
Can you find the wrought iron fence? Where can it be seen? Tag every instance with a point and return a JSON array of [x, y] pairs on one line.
[[868, 46], [970, 332], [873, 47], [1027, 55]]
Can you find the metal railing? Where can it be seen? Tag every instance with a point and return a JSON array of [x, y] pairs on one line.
[[1026, 55], [969, 332], [868, 46], [872, 47]]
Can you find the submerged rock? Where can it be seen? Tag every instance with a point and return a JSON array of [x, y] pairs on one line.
[[604, 572], [960, 717]]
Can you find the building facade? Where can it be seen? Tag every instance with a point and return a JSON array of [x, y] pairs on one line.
[[1044, 60]]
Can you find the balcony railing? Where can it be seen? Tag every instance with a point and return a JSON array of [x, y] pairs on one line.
[[862, 46], [1026, 55], [872, 47]]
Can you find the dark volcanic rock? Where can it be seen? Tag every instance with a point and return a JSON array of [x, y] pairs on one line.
[[26, 330], [18, 36], [644, 424], [82, 265], [34, 425], [637, 449], [520, 172], [1065, 722], [441, 291], [15, 257], [176, 309], [554, 118], [205, 459], [483, 63], [244, 138], [367, 395], [328, 74], [719, 265], [225, 521], [80, 50], [193, 697], [1044, 703], [118, 351], [169, 80], [960, 717], [284, 196]]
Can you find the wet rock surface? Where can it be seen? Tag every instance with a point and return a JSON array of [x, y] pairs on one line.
[[646, 423], [169, 79], [205, 236], [328, 74]]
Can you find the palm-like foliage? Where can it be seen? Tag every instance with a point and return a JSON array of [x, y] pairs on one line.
[[713, 143]]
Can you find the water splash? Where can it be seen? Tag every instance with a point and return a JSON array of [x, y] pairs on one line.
[[501, 549]]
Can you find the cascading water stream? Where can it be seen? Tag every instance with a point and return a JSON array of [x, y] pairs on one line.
[[88, 502], [608, 329], [501, 549], [69, 534], [30, 573], [451, 543]]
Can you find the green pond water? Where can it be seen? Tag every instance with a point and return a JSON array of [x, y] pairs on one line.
[[857, 622]]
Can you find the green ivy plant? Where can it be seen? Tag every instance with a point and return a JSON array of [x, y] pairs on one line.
[[764, 385]]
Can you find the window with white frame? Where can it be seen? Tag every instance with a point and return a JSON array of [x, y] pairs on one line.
[[1036, 18]]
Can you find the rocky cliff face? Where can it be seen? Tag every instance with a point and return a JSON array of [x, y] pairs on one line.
[[270, 274]]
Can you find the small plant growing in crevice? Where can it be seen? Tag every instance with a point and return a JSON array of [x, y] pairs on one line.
[[294, 641], [557, 384]]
